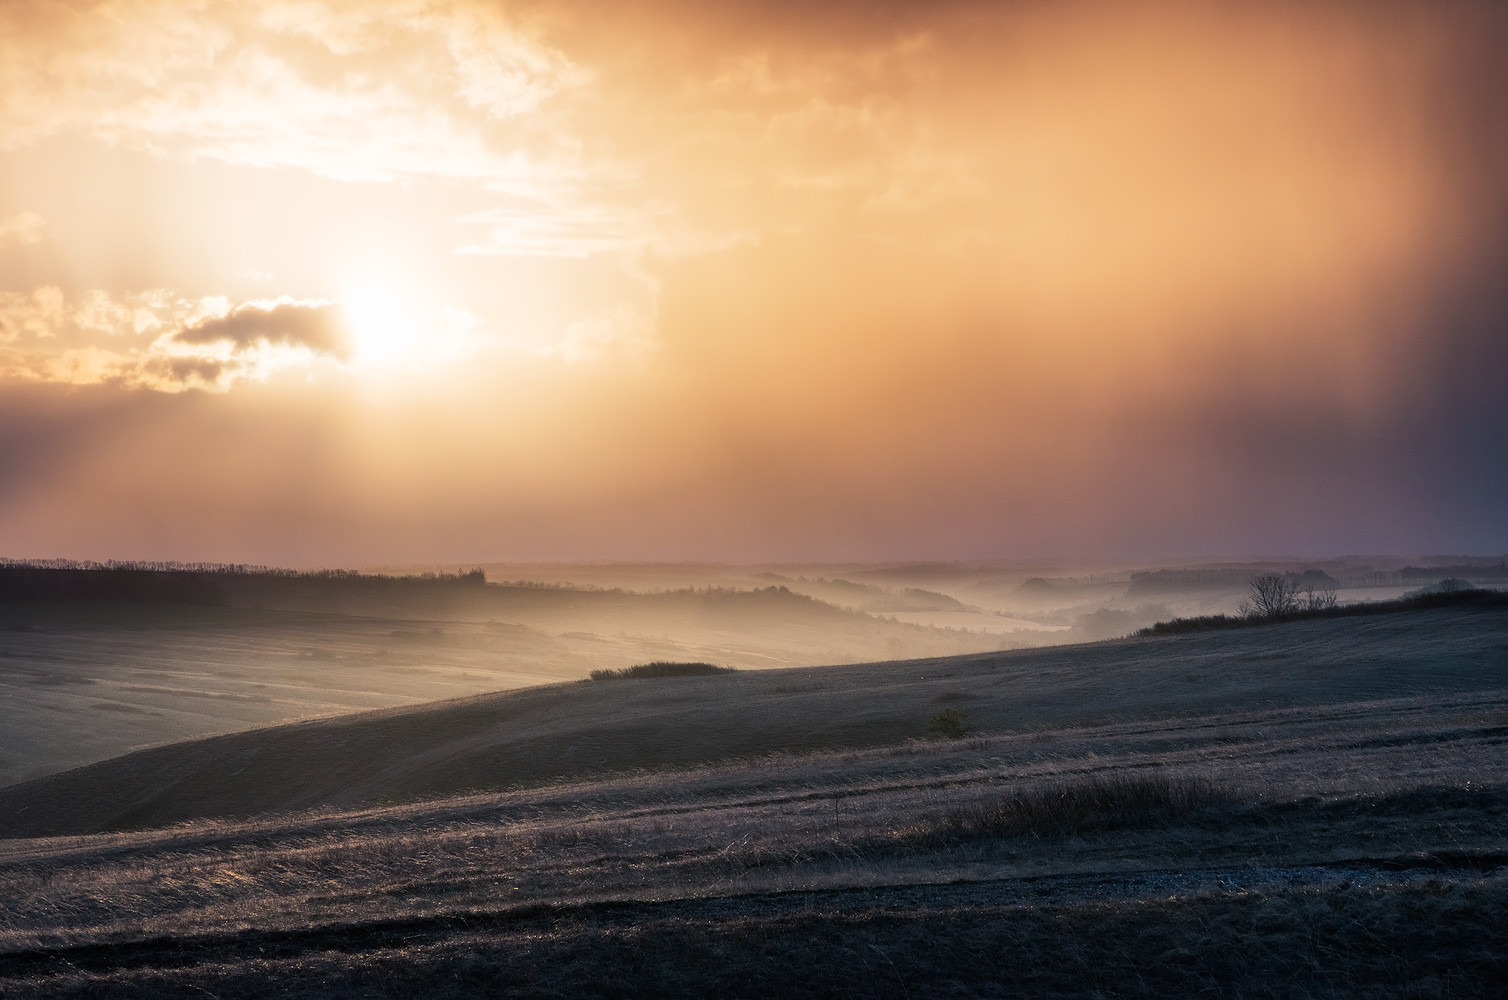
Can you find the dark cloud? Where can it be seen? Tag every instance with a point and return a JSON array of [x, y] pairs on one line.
[[318, 327], [186, 371]]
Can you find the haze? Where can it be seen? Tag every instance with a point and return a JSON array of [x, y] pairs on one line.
[[318, 283]]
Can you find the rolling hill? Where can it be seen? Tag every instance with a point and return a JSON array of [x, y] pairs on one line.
[[581, 730], [95, 663], [1310, 808]]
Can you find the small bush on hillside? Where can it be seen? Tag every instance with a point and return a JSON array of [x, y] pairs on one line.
[[661, 668], [949, 724]]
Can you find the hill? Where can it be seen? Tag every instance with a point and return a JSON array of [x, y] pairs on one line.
[[589, 729], [1310, 808], [95, 662], [1313, 808]]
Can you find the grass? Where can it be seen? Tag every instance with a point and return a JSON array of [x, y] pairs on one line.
[[949, 724], [1335, 942], [1129, 798], [660, 668], [540, 898], [1284, 943], [1058, 808]]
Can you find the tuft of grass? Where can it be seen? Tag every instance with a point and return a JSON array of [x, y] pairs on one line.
[[1065, 807], [661, 668]]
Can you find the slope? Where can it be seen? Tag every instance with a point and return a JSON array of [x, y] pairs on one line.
[[571, 731], [98, 675]]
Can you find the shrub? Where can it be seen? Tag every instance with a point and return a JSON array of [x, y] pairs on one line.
[[949, 724], [661, 668]]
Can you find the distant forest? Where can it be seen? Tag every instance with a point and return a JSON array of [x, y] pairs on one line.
[[58, 580]]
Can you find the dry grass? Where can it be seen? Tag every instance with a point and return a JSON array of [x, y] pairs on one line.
[[1118, 799], [1052, 809], [770, 895]]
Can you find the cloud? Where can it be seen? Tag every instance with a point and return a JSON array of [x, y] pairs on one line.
[[401, 90], [162, 341], [623, 328], [355, 91], [21, 230], [318, 326], [45, 314], [540, 230], [39, 313], [582, 230]]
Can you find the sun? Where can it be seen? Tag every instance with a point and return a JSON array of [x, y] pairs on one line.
[[382, 324]]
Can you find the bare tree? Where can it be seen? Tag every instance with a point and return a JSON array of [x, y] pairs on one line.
[[1271, 595], [1318, 598]]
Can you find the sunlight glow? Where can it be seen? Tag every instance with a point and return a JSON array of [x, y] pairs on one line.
[[382, 326]]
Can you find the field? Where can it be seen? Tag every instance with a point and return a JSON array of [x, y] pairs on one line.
[[1306, 809], [145, 673]]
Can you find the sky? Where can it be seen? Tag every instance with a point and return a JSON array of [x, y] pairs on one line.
[[314, 283]]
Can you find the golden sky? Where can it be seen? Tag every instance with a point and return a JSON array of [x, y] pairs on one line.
[[308, 282]]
